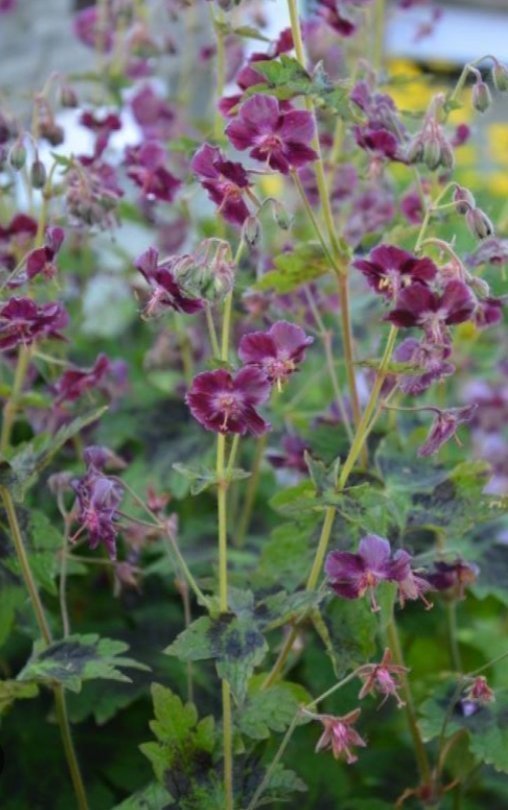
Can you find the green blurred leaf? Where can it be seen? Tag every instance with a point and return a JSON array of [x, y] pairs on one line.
[[14, 690], [300, 266]]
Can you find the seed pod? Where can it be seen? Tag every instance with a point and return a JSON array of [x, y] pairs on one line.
[[463, 200], [500, 77], [251, 230], [432, 152], [17, 155], [479, 223], [482, 98], [38, 174]]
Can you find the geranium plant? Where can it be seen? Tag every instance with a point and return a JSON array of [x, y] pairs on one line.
[[255, 397]]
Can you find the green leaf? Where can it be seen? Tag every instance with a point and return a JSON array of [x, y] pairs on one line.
[[348, 629], [152, 797], [78, 658], [202, 478], [14, 690], [300, 266], [29, 461], [487, 727], [323, 476], [184, 745], [296, 500], [41, 540], [286, 557], [233, 641], [271, 709]]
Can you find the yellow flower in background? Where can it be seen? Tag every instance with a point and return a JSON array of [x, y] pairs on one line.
[[497, 138], [466, 155], [272, 185], [497, 183]]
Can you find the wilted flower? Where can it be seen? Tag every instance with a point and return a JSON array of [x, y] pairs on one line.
[[417, 305], [225, 181], [22, 322], [353, 575], [431, 361], [277, 351], [98, 498], [388, 269], [225, 403], [41, 260], [75, 381], [444, 427], [340, 736], [491, 251], [453, 577], [479, 691], [166, 291], [274, 134], [382, 679], [92, 192], [146, 165], [208, 272]]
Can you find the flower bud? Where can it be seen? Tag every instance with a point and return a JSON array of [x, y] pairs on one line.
[[17, 155], [414, 153], [500, 77], [38, 174], [447, 155], [281, 216], [68, 96], [478, 285], [463, 200], [432, 152], [482, 98], [251, 230], [479, 224]]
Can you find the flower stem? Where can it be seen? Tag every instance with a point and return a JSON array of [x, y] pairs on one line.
[[11, 406], [250, 495], [451, 621], [419, 748], [44, 629]]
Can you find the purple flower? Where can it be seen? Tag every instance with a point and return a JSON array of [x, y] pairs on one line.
[[166, 292], [227, 404], [431, 360], [382, 678], [453, 577], [444, 427], [225, 181], [102, 126], [377, 139], [412, 207], [372, 209], [90, 30], [275, 135], [353, 575], [341, 23], [291, 455], [75, 381], [277, 351], [22, 322], [146, 167], [41, 260], [339, 735], [417, 305], [488, 312], [388, 269], [92, 192], [491, 251], [98, 498], [153, 114]]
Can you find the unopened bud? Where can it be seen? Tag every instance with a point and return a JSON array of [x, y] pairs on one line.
[[251, 230], [478, 285], [281, 216], [447, 155], [463, 200], [68, 96], [482, 98], [432, 152], [17, 155], [38, 174], [479, 224], [500, 77], [414, 152]]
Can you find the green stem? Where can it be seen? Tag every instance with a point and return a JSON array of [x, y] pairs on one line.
[[198, 593], [212, 332], [11, 406], [451, 621], [44, 629], [222, 487], [419, 748], [250, 495]]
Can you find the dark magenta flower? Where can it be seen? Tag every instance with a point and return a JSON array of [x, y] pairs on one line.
[[275, 135], [453, 577], [488, 312], [417, 305], [383, 679], [444, 427], [277, 352], [146, 167], [153, 114], [352, 575], [340, 736], [166, 291], [389, 269], [377, 139], [22, 322], [98, 498], [492, 251], [92, 30], [102, 127], [75, 381], [225, 403], [411, 206], [41, 260], [431, 362], [335, 16], [291, 455], [372, 209], [225, 181]]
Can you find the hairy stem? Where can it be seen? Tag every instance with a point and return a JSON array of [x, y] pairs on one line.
[[44, 629]]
